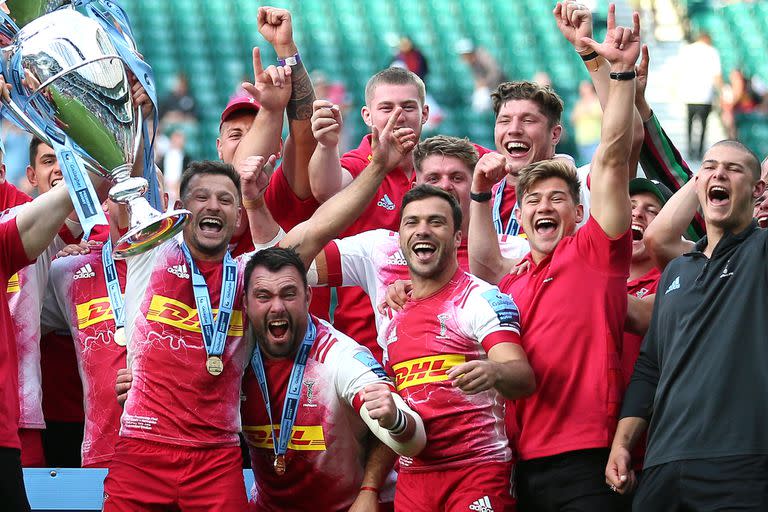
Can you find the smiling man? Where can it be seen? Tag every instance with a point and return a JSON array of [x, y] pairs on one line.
[[704, 347], [467, 335], [573, 301]]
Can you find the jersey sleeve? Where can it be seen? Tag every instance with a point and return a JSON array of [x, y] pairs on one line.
[[491, 317], [355, 368], [14, 258], [354, 162], [350, 260], [611, 256]]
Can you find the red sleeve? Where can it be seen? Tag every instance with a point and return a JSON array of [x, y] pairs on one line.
[[286, 207], [497, 337], [354, 161], [482, 150], [11, 196], [612, 255], [333, 264], [12, 255]]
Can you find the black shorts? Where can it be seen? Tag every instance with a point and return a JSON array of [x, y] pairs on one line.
[[567, 482], [722, 483], [13, 496]]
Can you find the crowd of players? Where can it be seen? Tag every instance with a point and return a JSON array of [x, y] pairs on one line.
[[401, 325]]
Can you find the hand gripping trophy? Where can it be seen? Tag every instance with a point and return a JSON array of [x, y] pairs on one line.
[[71, 89]]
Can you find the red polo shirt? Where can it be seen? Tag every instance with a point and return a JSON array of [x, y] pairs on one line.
[[573, 305]]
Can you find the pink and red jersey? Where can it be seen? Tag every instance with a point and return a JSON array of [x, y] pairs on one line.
[[573, 306], [12, 259], [173, 398], [77, 300], [644, 285], [286, 208], [328, 445], [429, 336], [373, 260]]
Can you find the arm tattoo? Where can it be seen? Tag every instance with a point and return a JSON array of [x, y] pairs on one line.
[[302, 95]]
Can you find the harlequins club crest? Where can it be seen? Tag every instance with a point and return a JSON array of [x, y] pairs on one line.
[[310, 385]]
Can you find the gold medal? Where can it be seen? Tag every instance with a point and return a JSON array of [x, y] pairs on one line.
[[280, 465], [119, 336], [214, 365]]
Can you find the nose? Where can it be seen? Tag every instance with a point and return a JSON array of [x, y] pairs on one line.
[[637, 212], [516, 125]]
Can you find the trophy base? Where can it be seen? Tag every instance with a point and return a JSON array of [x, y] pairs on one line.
[[142, 238]]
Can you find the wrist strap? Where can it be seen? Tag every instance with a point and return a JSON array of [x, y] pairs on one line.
[[252, 204], [482, 197], [370, 489], [623, 75], [589, 56], [401, 422], [293, 60]]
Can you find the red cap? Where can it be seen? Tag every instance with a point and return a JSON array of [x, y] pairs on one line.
[[238, 103]]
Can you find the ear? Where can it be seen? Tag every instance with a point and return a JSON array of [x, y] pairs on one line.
[[165, 201], [457, 237], [424, 114], [557, 132], [31, 176], [309, 295], [579, 213], [756, 192], [178, 205], [366, 115], [2, 173], [218, 148]]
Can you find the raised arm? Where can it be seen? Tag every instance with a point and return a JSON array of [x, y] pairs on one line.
[[255, 172], [276, 26], [336, 214], [664, 235], [326, 175], [39, 221], [485, 258], [610, 166]]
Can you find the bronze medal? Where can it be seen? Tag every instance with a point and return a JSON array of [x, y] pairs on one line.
[[214, 365], [119, 336], [280, 465]]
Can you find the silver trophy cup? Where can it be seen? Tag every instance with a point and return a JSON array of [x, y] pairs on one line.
[[76, 85]]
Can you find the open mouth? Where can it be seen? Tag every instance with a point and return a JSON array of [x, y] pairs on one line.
[[718, 196], [278, 328], [56, 182], [545, 226], [211, 225], [637, 232], [424, 250], [762, 220], [517, 149]]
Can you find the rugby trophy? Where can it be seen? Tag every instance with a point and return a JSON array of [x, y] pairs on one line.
[[71, 89]]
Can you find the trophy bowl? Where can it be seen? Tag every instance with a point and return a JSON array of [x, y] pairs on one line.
[[75, 89]]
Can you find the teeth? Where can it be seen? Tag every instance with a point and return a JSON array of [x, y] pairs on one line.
[[545, 222], [420, 246], [210, 220], [278, 323], [638, 227], [516, 145], [719, 189]]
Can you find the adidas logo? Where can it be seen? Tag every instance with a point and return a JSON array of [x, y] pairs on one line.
[[179, 271], [674, 286], [85, 272], [482, 505], [386, 203], [397, 259]]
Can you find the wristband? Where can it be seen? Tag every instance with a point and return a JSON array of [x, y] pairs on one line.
[[623, 75], [589, 56], [293, 60], [369, 488], [482, 197], [400, 423], [252, 204]]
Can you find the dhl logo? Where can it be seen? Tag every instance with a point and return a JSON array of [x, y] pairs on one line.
[[13, 284], [302, 438], [425, 370], [93, 312], [172, 312]]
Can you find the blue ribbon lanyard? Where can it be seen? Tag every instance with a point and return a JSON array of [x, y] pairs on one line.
[[80, 188], [214, 335], [513, 228], [292, 395], [116, 299]]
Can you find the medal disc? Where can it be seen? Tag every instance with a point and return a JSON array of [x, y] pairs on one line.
[[280, 465], [119, 336], [214, 365]]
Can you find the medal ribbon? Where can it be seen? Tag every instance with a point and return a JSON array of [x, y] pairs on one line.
[[513, 227], [292, 395], [116, 299], [214, 335]]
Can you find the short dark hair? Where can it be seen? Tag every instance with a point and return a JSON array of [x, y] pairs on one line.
[[426, 191], [445, 145], [33, 145], [754, 160], [544, 96], [274, 259], [208, 167], [545, 169], [395, 76]]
